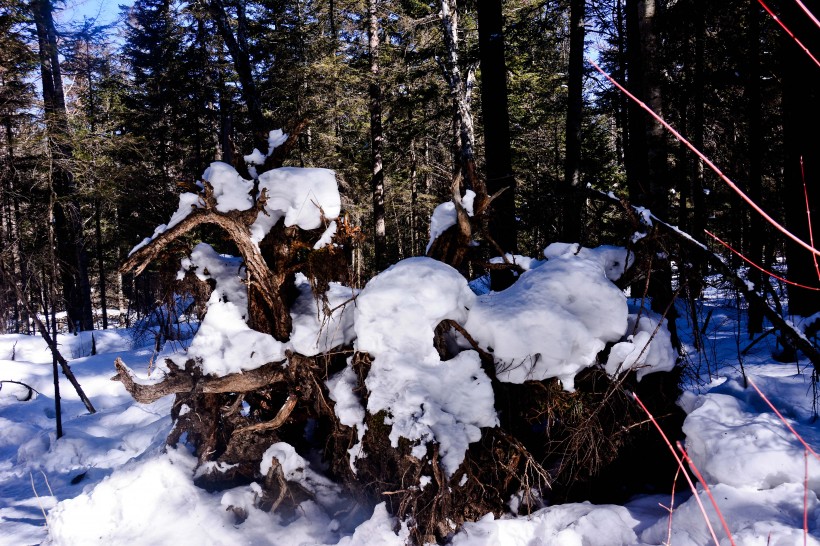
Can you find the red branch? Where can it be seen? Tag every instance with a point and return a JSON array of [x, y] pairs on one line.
[[685, 474], [708, 162], [708, 492], [751, 263], [774, 409], [808, 213], [806, 10], [789, 32]]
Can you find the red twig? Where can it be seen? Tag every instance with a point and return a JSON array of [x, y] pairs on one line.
[[708, 162], [806, 10], [789, 32], [808, 213], [680, 465], [791, 428], [750, 262], [708, 492]]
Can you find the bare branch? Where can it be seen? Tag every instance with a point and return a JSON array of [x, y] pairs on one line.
[[281, 416], [178, 381]]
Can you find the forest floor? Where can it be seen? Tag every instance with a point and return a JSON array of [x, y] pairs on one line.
[[110, 481]]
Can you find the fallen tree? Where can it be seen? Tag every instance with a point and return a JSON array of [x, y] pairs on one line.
[[415, 391]]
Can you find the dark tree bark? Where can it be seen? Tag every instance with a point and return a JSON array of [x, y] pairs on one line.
[[463, 117], [755, 155], [496, 117], [71, 252], [376, 139], [801, 118], [635, 153], [240, 54], [648, 184], [101, 263], [572, 211]]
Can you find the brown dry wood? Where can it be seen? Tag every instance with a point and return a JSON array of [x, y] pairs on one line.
[[262, 281], [786, 329], [279, 420], [183, 381]]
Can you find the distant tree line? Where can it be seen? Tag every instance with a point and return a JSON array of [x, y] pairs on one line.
[[411, 103]]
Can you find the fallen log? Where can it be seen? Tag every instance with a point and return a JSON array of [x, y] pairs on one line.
[[788, 332]]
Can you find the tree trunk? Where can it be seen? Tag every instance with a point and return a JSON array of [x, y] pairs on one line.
[[101, 264], [70, 244], [755, 154], [458, 90], [635, 157], [376, 140], [572, 211], [19, 267], [238, 48], [496, 117]]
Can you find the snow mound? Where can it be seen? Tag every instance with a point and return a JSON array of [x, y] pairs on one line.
[[424, 398], [649, 349], [231, 191], [303, 197], [581, 524], [553, 321], [315, 332], [718, 430], [227, 271], [225, 344], [155, 502], [445, 216]]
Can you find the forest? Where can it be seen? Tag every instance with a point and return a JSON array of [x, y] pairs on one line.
[[324, 158]]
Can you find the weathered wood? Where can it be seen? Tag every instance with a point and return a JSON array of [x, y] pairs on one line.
[[263, 283], [188, 381], [281, 416]]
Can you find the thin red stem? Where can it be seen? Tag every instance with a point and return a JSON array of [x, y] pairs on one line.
[[750, 262], [708, 162], [680, 465], [708, 492], [809, 13], [791, 428], [808, 214], [789, 32]]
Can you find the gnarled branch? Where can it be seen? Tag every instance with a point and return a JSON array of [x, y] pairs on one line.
[[281, 416], [189, 381]]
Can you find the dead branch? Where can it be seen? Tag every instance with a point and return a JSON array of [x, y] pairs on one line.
[[281, 416], [31, 390], [789, 333], [187, 381]]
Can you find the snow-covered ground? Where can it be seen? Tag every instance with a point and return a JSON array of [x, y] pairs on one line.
[[109, 481]]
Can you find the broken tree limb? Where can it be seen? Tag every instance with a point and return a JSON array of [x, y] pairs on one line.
[[264, 282], [187, 381], [789, 333], [279, 420], [31, 390]]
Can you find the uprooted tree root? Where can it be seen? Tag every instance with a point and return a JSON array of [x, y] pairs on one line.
[[551, 446]]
